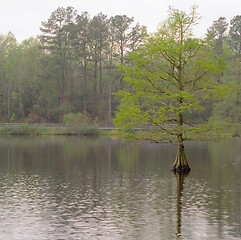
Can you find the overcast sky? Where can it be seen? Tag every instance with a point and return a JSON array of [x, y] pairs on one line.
[[23, 17]]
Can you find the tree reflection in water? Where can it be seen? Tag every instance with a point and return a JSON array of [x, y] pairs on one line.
[[180, 185]]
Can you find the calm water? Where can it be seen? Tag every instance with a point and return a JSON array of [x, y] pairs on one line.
[[81, 188]]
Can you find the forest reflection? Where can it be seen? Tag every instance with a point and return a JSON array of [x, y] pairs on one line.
[[65, 187]]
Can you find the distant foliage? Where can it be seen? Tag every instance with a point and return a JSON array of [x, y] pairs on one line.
[[21, 130], [76, 119], [72, 66]]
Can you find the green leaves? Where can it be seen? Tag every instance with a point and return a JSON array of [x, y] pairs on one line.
[[169, 76]]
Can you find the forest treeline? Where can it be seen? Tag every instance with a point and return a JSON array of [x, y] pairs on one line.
[[72, 67]]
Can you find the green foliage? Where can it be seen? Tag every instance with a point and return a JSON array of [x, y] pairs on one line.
[[13, 118], [78, 124], [21, 130], [228, 108], [234, 32], [32, 130], [85, 52], [86, 130], [170, 75], [76, 119], [72, 67]]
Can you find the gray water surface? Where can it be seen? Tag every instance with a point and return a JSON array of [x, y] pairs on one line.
[[81, 188]]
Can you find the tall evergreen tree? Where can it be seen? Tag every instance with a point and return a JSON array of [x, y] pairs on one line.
[[80, 41], [56, 39], [235, 34], [217, 33]]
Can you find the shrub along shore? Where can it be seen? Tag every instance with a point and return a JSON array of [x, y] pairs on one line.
[[34, 130]]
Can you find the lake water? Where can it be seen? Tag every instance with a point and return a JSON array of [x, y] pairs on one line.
[[83, 188]]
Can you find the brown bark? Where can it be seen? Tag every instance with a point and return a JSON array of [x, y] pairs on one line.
[[95, 97], [85, 83], [181, 164]]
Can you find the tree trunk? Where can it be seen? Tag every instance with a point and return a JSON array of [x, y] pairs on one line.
[[21, 104], [110, 105], [85, 83], [9, 102], [62, 96], [181, 164], [100, 77], [122, 61], [110, 82], [95, 97]]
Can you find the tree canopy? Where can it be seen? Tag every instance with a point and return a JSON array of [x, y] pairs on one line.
[[170, 75], [72, 67]]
